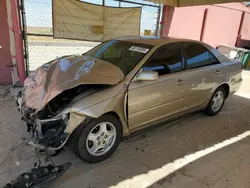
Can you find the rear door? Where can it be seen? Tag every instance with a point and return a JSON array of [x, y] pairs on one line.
[[150, 101], [203, 73]]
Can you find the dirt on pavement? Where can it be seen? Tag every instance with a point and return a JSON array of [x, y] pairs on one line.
[[144, 151]]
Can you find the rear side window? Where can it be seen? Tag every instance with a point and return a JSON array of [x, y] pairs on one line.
[[165, 60], [198, 56]]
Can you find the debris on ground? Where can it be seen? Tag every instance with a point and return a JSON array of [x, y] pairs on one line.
[[38, 177]]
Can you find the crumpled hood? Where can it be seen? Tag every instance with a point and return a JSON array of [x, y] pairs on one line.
[[62, 74]]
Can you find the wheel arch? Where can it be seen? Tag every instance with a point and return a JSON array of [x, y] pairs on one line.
[[115, 114], [226, 87]]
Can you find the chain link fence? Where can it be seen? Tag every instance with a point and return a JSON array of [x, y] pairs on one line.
[[42, 47]]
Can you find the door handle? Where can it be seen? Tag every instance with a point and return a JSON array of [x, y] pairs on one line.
[[217, 72]]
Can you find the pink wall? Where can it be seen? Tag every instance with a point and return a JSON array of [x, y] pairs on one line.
[[5, 55], [187, 22], [237, 6], [221, 24], [244, 38]]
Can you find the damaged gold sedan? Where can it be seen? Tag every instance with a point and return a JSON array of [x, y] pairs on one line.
[[119, 87]]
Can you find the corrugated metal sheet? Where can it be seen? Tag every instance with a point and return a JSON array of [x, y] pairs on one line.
[[183, 3]]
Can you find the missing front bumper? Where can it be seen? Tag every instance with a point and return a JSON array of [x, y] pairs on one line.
[[50, 148], [50, 133], [54, 133]]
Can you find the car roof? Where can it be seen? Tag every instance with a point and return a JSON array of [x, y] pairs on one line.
[[155, 40]]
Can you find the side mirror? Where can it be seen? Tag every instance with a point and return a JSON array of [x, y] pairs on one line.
[[147, 76]]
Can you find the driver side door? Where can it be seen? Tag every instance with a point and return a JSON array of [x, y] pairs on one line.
[[151, 101]]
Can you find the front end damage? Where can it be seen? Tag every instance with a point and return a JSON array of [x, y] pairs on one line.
[[50, 133], [49, 136], [51, 89], [49, 130], [54, 86]]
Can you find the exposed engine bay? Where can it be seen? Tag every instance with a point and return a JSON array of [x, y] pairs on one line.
[[64, 98], [47, 129]]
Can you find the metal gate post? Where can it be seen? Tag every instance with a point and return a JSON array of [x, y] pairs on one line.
[[158, 27], [18, 42], [166, 20], [24, 35]]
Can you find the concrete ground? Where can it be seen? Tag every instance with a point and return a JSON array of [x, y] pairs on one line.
[[225, 168], [146, 151]]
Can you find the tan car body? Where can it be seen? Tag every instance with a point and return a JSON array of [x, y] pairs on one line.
[[138, 104]]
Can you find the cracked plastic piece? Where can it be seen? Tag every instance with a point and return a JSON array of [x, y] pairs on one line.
[[38, 177]]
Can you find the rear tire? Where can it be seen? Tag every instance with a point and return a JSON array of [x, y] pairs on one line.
[[93, 135], [216, 102]]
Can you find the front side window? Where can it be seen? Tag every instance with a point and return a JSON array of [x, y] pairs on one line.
[[197, 56], [165, 60], [125, 55]]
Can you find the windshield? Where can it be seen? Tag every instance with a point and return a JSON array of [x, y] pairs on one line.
[[123, 54]]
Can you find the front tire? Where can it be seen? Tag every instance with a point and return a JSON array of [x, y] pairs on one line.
[[216, 102], [98, 139]]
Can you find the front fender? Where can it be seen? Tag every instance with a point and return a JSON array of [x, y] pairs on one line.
[[78, 112]]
